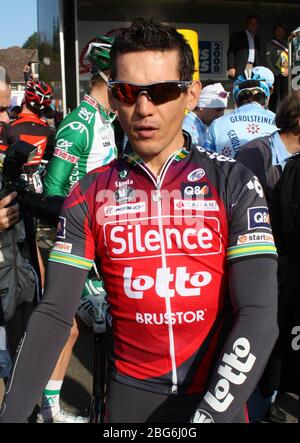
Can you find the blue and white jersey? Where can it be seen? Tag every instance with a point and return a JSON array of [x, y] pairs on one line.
[[228, 133], [195, 127]]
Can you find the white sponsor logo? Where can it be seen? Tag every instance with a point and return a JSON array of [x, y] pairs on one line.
[[65, 156], [120, 184], [296, 340], [196, 175], [201, 416], [197, 205], [191, 191], [256, 186], [258, 217], [76, 126], [85, 115], [233, 370], [128, 208], [257, 237], [63, 247], [64, 144], [220, 157], [135, 287], [135, 241], [174, 318]]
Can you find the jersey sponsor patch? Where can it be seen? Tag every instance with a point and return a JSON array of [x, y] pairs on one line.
[[254, 128], [63, 247], [197, 205], [158, 318], [61, 227], [233, 370], [141, 238], [257, 237], [64, 155], [195, 190], [258, 217], [129, 208], [196, 175], [180, 282], [64, 144], [256, 186]]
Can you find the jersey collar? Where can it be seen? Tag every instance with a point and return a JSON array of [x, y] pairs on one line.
[[108, 116], [133, 157]]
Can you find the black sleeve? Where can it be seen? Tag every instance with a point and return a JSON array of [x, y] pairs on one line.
[[253, 291], [231, 51], [45, 336], [253, 159]]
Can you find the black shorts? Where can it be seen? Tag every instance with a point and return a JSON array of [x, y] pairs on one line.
[[127, 404]]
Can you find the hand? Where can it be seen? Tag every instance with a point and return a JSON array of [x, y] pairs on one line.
[[231, 73], [27, 73], [26, 68], [8, 216]]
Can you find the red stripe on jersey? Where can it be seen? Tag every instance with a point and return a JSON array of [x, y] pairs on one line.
[[40, 142], [246, 415], [28, 118]]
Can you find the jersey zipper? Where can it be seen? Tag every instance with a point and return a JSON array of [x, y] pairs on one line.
[[158, 183]]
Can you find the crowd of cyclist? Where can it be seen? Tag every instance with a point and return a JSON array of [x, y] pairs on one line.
[[90, 137]]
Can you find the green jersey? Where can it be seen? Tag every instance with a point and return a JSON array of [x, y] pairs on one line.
[[84, 141]]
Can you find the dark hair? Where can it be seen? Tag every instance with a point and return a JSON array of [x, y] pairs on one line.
[[288, 112], [145, 35], [250, 17], [279, 25], [250, 96]]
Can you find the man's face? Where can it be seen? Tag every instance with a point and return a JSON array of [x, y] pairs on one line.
[[153, 130], [4, 102], [208, 115], [280, 33], [252, 25]]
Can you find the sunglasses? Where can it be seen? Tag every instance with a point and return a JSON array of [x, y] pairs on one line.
[[159, 93], [4, 108]]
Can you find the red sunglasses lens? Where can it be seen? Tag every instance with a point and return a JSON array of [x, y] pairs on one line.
[[159, 93]]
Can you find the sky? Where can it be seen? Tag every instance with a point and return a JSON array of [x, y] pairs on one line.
[[18, 21]]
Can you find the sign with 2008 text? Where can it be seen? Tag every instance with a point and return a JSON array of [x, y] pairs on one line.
[[211, 54]]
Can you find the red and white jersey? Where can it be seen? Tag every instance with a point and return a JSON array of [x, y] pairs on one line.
[[163, 245]]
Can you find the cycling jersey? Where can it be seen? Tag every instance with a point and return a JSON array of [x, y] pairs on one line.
[[31, 129], [168, 248], [195, 127], [231, 131], [84, 141]]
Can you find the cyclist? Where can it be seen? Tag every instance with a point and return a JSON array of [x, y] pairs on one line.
[[84, 141], [250, 120], [174, 227], [211, 105], [32, 128]]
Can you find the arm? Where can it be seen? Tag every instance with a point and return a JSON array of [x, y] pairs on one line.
[[50, 324], [252, 280], [252, 157], [46, 334], [9, 215], [70, 143], [253, 289], [210, 139], [231, 51]]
